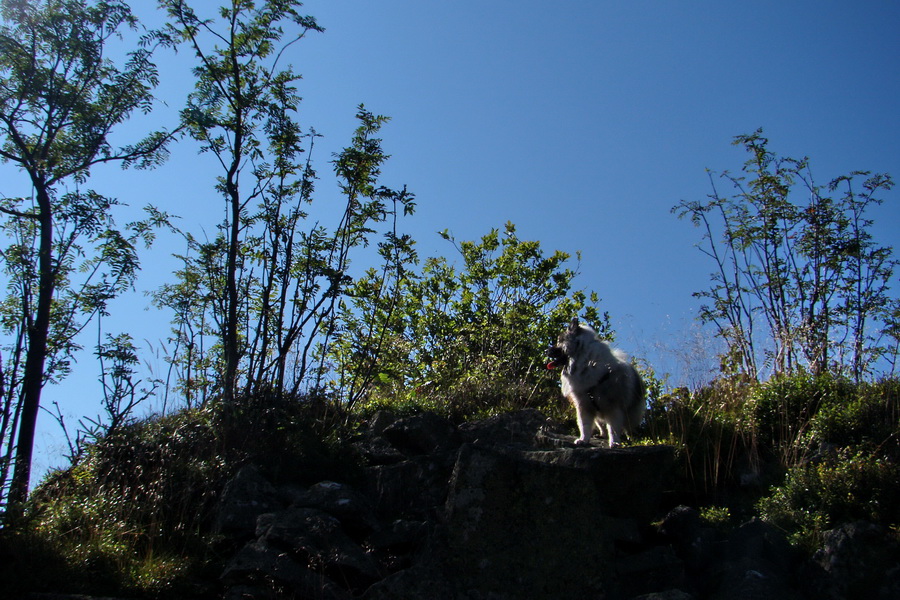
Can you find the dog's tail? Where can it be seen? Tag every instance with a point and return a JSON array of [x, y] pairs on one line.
[[638, 404]]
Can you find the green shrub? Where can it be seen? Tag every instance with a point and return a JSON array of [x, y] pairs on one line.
[[718, 517], [871, 417], [467, 340], [82, 537], [470, 400], [846, 486], [131, 516], [29, 562], [785, 407]]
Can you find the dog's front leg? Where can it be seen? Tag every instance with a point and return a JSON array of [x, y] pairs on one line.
[[585, 416]]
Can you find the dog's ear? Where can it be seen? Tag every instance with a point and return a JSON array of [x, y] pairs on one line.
[[573, 326]]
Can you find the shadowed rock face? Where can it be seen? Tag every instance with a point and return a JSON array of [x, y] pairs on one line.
[[505, 508], [244, 498], [535, 524]]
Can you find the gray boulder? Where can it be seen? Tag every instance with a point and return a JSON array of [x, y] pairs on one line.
[[756, 562], [246, 496], [259, 569], [373, 447], [353, 509], [656, 568], [523, 428], [675, 594], [692, 539], [420, 582], [413, 489], [857, 560], [630, 481], [316, 540], [751, 578], [425, 433]]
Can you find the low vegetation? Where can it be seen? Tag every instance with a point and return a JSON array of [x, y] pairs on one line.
[[133, 514], [804, 452]]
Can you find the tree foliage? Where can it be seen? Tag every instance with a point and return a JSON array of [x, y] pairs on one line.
[[240, 112]]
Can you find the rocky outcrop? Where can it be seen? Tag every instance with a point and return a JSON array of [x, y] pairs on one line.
[[857, 560], [752, 561], [502, 508]]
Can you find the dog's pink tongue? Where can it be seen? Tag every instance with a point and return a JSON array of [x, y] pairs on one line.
[[550, 366]]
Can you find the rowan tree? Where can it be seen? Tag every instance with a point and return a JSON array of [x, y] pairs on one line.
[[61, 98], [800, 281]]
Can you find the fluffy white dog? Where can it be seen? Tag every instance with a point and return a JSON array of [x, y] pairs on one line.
[[599, 381]]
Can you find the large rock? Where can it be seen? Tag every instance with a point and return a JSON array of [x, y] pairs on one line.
[[523, 428], [353, 509], [508, 508], [674, 594], [415, 488], [316, 540], [373, 447], [630, 481], [420, 582], [693, 540], [258, 567], [246, 496], [858, 560], [544, 524], [756, 562], [651, 570], [751, 578], [425, 433]]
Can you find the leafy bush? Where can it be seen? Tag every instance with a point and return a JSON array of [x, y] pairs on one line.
[[846, 486], [469, 341], [785, 408], [131, 515], [718, 517], [871, 417], [842, 439], [735, 431]]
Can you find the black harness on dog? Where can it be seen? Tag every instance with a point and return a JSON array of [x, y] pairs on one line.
[[597, 385], [605, 377]]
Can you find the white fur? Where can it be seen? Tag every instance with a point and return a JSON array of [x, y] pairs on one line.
[[601, 383]]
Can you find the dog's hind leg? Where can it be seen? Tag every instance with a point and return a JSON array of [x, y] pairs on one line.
[[614, 424]]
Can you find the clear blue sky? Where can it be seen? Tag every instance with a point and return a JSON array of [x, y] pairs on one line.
[[582, 122]]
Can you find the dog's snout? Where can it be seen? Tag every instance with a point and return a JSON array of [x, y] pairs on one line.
[[557, 357]]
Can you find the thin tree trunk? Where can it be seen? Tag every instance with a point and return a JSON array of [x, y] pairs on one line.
[[38, 333], [231, 291]]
